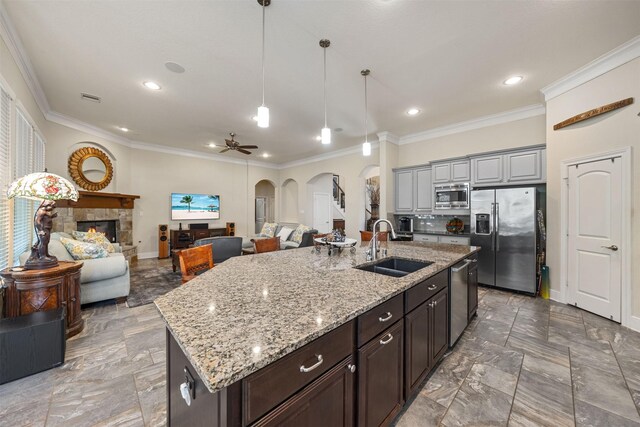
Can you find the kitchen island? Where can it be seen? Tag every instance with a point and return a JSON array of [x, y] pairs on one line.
[[235, 331]]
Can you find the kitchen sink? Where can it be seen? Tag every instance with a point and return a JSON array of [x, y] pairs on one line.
[[394, 266]]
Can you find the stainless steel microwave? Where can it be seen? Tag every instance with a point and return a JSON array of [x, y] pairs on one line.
[[451, 196]]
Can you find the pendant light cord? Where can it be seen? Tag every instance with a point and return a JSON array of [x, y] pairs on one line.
[[325, 87], [365, 110], [263, 13]]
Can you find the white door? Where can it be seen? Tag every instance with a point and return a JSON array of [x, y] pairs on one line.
[[261, 213], [595, 263], [322, 217]]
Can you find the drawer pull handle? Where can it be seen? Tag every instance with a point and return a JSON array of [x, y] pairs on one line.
[[351, 368], [432, 287], [385, 319], [387, 341], [312, 367]]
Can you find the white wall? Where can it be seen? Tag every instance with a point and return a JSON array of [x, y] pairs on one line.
[[515, 134], [620, 128], [289, 201], [349, 167]]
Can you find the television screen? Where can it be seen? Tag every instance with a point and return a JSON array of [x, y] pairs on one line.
[[186, 206]]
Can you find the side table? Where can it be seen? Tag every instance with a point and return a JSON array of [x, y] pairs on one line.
[[29, 291]]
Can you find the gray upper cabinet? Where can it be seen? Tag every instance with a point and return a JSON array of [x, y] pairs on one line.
[[451, 171], [515, 167], [487, 169], [460, 171], [524, 166], [404, 190], [441, 172], [424, 190]]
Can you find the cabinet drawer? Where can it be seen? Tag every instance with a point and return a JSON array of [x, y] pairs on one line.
[[425, 290], [454, 240], [273, 384], [425, 238], [379, 318]]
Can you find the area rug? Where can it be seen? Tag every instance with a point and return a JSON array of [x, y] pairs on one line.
[[151, 278]]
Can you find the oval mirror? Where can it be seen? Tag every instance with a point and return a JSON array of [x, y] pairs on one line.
[[90, 168]]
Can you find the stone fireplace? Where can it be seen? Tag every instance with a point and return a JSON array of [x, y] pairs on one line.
[[107, 227], [72, 219]]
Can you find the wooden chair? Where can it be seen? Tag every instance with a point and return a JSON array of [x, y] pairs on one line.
[[194, 261], [266, 245], [366, 236], [318, 236]]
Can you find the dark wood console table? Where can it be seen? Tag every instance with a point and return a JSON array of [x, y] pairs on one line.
[[181, 239], [29, 291]]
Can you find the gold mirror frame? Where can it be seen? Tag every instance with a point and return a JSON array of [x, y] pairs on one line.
[[76, 160]]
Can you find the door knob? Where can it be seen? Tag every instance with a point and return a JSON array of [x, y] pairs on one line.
[[612, 247]]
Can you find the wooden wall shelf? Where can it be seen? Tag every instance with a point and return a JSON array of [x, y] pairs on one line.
[[93, 200]]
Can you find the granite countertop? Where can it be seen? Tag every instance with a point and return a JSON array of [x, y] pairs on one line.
[[444, 233], [252, 310]]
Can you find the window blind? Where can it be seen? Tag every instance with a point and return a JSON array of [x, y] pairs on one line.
[[5, 174], [22, 208]]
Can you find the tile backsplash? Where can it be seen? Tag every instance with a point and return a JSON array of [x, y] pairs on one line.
[[434, 223]]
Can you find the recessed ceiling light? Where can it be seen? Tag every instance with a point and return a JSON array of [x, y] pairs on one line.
[[513, 80], [265, 155], [151, 85], [413, 111], [318, 138], [211, 145], [124, 129]]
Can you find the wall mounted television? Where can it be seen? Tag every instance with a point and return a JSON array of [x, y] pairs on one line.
[[186, 206]]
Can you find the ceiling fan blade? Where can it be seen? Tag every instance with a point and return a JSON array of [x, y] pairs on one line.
[[249, 147], [225, 150], [243, 151]]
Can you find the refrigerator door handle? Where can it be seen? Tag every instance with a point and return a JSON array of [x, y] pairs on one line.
[[497, 208], [493, 228]]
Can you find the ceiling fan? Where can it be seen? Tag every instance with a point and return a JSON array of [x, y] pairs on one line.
[[234, 145]]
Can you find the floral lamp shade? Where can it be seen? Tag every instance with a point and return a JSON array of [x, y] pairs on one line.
[[43, 186]]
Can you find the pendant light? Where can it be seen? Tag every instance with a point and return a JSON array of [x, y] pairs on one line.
[[325, 134], [366, 146], [263, 111]]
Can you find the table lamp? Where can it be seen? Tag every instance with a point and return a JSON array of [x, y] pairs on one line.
[[47, 187]]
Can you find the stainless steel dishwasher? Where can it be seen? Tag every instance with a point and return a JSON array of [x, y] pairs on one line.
[[459, 300]]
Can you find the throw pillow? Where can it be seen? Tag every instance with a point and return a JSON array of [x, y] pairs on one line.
[[284, 233], [82, 250], [297, 235], [269, 229], [94, 237]]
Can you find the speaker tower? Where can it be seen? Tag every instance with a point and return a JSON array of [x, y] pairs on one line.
[[163, 241], [231, 229]]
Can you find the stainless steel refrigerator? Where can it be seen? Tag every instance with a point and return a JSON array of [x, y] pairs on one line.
[[503, 223]]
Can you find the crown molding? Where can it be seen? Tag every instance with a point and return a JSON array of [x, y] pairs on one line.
[[388, 137], [326, 156], [607, 62], [192, 153], [85, 127], [12, 40], [478, 123]]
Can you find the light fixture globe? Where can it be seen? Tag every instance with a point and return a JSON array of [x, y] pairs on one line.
[[325, 136], [263, 116], [366, 149], [325, 133], [47, 187]]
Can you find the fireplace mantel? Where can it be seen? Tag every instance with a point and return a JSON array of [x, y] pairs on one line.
[[98, 200]]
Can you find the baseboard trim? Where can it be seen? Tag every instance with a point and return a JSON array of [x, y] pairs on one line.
[[556, 296], [147, 255], [634, 323]]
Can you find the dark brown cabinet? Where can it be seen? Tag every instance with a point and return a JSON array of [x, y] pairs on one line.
[[328, 401], [29, 291], [181, 239], [426, 339], [472, 282], [380, 377]]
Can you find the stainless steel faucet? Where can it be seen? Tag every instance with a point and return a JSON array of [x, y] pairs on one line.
[[373, 251]]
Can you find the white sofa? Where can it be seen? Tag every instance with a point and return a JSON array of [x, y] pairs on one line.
[[100, 279]]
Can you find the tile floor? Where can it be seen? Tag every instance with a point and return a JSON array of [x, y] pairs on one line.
[[522, 362]]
